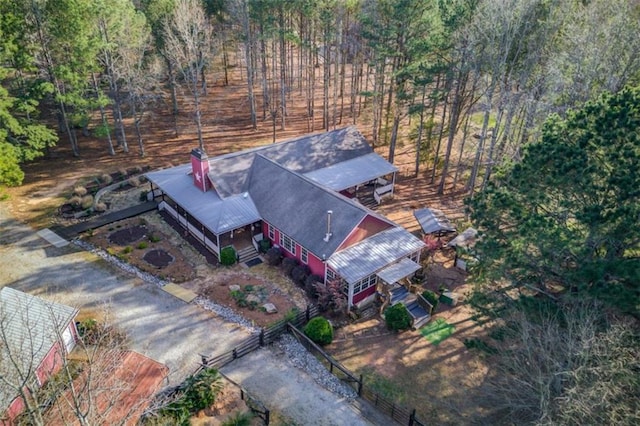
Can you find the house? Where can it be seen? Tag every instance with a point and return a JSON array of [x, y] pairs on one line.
[[36, 336], [305, 195]]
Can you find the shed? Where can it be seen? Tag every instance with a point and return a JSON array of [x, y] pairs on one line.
[[433, 221]]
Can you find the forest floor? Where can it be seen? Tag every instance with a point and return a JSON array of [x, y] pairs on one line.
[[439, 377]]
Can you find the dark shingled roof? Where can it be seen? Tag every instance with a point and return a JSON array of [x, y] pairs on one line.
[[298, 206], [302, 155]]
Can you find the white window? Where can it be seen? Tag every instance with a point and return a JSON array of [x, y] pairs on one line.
[[364, 284], [304, 255], [272, 232], [331, 275], [287, 243]]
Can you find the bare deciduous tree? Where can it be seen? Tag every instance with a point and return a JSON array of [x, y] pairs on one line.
[[188, 44]]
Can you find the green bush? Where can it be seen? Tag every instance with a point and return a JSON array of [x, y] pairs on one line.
[[319, 330], [228, 256], [143, 195], [143, 245], [154, 238], [431, 297], [127, 250], [198, 392], [239, 419], [265, 244], [397, 317]]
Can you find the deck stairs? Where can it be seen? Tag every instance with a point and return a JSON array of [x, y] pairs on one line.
[[246, 254], [418, 311]]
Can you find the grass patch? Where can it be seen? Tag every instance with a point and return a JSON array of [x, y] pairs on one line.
[[437, 330], [384, 386]]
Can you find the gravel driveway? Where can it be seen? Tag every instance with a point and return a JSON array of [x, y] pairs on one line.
[[162, 326]]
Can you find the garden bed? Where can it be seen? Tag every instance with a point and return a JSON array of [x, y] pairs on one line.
[[137, 242]]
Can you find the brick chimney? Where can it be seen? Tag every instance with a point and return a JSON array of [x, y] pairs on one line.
[[200, 169]]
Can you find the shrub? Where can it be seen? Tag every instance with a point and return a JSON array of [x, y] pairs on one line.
[[106, 178], [86, 201], [299, 275], [143, 245], [319, 330], [134, 181], [228, 256], [310, 285], [264, 245], [239, 419], [100, 207], [143, 195], [123, 173], [397, 317], [80, 191], [431, 297], [75, 201], [288, 263], [273, 256], [127, 250], [330, 296], [154, 238]]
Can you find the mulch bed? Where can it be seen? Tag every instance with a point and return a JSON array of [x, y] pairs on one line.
[[128, 235], [158, 258]]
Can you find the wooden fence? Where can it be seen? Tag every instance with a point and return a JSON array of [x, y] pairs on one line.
[[266, 336], [397, 412]]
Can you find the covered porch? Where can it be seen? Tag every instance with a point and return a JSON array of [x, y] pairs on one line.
[[369, 179]]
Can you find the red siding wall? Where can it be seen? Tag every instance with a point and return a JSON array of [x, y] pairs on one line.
[[357, 298], [315, 264]]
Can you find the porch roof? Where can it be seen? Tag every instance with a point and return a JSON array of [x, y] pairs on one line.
[[218, 215], [350, 173], [374, 253], [433, 220], [398, 271]]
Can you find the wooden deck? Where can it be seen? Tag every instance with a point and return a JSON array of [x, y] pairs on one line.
[[72, 231]]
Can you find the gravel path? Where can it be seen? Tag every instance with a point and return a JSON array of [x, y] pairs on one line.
[[171, 331]]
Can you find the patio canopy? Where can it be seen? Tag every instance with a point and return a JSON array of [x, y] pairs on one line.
[[398, 271], [433, 221], [466, 239], [350, 173]]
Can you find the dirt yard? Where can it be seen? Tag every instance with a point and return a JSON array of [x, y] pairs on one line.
[[434, 379]]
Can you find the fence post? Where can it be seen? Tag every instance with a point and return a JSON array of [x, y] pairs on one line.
[[308, 313], [266, 417], [262, 337], [235, 354], [360, 386], [412, 417]]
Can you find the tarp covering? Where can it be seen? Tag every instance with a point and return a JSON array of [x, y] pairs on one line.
[[398, 271], [432, 221], [466, 239]]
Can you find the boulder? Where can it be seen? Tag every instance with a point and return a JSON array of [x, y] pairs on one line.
[[234, 287], [270, 308]]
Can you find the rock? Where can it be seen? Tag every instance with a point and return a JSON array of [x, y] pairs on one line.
[[270, 308], [253, 298], [234, 287]]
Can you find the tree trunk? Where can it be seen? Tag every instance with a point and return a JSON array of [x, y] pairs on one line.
[[420, 130], [103, 116], [453, 125]]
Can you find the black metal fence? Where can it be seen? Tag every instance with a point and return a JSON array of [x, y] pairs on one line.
[[397, 412]]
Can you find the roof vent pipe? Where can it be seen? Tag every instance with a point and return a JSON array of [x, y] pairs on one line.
[[328, 234]]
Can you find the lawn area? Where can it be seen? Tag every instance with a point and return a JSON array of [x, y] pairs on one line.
[[437, 330]]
